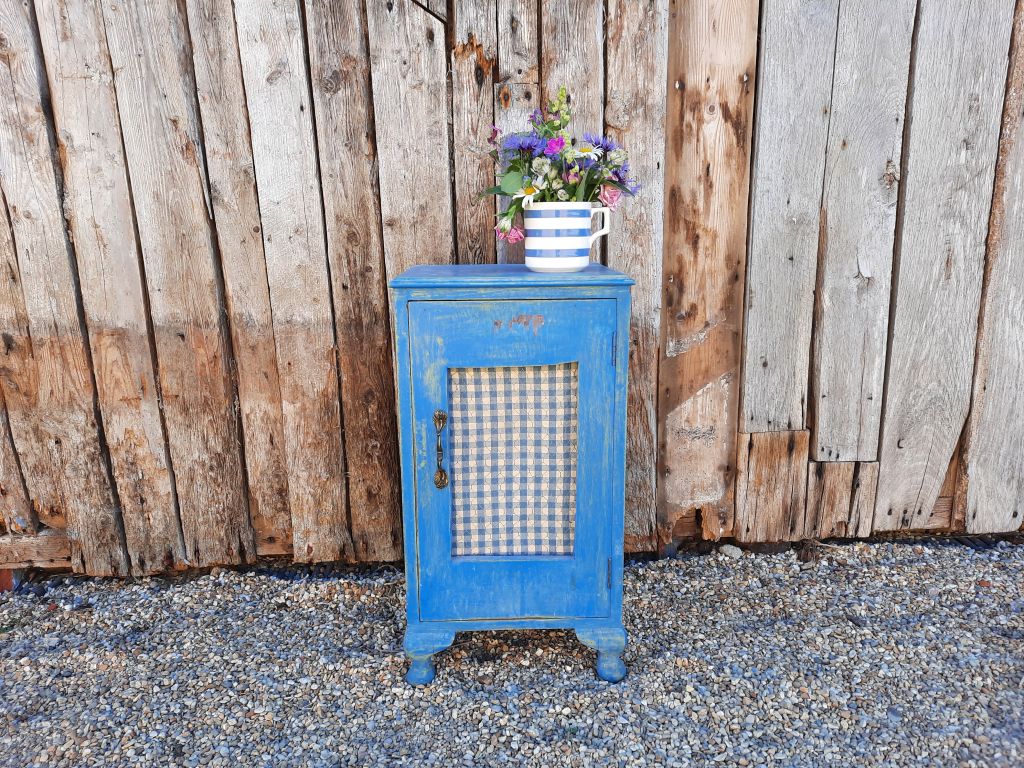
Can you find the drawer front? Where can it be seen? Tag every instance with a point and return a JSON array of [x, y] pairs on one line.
[[513, 402]]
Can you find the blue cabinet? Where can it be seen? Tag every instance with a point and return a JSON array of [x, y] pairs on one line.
[[512, 401]]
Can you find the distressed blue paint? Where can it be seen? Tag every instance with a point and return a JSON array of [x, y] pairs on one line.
[[506, 315]]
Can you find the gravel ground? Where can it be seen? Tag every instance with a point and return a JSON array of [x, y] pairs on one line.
[[885, 654]]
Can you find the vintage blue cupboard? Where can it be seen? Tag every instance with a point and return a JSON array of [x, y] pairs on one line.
[[512, 403]]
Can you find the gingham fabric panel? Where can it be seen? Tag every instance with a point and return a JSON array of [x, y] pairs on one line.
[[513, 466]]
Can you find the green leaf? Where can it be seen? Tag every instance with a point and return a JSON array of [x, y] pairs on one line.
[[511, 182], [491, 191], [581, 188]]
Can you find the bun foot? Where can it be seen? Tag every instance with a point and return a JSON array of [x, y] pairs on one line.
[[609, 642]]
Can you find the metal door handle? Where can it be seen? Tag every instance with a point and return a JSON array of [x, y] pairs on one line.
[[440, 476]]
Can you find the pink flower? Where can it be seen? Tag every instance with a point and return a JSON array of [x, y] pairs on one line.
[[571, 176], [555, 146], [514, 235], [610, 196]]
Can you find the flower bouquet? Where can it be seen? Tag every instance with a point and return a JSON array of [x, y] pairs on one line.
[[554, 180]]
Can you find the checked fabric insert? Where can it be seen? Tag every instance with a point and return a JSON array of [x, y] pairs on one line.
[[513, 468]]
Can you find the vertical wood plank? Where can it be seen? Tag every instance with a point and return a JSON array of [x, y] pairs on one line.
[[46, 377], [98, 207], [712, 60], [473, 65], [517, 86], [959, 75], [221, 97], [840, 499], [408, 68], [637, 46], [572, 54], [771, 486], [794, 91], [148, 46], [15, 511], [272, 47], [994, 452], [340, 70], [858, 221]]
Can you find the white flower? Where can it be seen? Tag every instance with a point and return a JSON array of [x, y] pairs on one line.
[[526, 194], [557, 183], [587, 150], [541, 165], [540, 183], [562, 194], [617, 156]]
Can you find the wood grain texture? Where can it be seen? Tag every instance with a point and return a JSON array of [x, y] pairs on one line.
[[410, 103], [572, 54], [711, 75], [957, 90], [793, 96], [840, 499], [517, 87], [771, 486], [47, 549], [518, 41], [342, 98], [994, 438], [270, 38], [149, 45], [98, 208], [16, 514], [514, 103], [473, 67], [232, 188], [858, 221], [637, 49], [46, 378]]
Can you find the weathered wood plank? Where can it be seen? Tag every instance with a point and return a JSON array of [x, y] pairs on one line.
[[771, 486], [572, 54], [794, 92], [840, 499], [517, 86], [98, 208], [16, 514], [47, 549], [956, 97], [637, 48], [46, 378], [270, 39], [858, 222], [994, 453], [408, 66], [514, 103], [148, 46], [473, 67], [340, 67], [518, 41], [232, 181], [712, 61]]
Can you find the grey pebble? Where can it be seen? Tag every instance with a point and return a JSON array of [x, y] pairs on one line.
[[881, 655]]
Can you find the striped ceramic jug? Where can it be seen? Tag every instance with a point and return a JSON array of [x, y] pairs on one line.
[[558, 237]]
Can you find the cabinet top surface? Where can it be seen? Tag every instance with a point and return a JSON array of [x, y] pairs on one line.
[[503, 275]]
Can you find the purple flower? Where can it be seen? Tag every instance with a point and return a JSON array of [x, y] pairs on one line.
[[554, 146], [523, 142], [536, 117], [604, 143], [571, 176]]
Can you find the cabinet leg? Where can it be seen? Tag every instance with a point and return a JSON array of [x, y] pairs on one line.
[[609, 642], [420, 646]]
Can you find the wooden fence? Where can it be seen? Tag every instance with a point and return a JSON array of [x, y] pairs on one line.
[[203, 201]]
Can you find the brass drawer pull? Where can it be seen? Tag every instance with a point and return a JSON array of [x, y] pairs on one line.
[[440, 477]]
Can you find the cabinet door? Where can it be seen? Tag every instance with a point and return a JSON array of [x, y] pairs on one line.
[[525, 393]]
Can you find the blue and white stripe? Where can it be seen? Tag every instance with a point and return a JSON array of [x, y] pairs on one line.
[[558, 236]]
